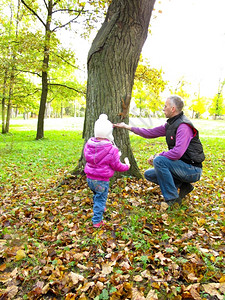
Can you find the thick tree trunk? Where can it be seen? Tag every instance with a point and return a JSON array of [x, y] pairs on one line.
[[112, 62]]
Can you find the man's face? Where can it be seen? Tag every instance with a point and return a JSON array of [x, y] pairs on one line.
[[168, 109]]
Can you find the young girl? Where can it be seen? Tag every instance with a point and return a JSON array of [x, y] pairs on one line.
[[102, 160]]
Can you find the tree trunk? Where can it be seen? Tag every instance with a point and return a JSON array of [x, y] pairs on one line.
[[3, 103], [112, 62], [41, 113], [61, 112], [12, 75], [9, 104], [44, 75]]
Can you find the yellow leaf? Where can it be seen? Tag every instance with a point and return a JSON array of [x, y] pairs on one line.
[[155, 285], [222, 279], [212, 258], [20, 254], [201, 221]]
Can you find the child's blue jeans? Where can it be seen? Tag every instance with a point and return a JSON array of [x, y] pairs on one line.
[[100, 189]]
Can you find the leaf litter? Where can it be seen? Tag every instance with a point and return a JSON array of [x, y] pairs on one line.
[[49, 249]]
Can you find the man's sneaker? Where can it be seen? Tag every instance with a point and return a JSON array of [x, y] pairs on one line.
[[97, 225], [173, 201], [185, 189]]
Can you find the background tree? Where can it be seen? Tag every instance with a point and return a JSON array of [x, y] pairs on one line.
[[148, 85], [217, 107], [22, 51], [15, 42], [49, 14], [25, 97], [198, 106], [181, 89], [8, 61], [112, 62]]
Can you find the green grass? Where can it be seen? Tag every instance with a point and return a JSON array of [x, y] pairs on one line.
[[210, 127], [53, 226], [23, 157]]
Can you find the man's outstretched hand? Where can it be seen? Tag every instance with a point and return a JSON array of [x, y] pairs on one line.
[[122, 125]]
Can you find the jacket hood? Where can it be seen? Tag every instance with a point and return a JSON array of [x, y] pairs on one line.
[[97, 150]]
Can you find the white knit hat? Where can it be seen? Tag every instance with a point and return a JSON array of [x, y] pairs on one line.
[[104, 128]]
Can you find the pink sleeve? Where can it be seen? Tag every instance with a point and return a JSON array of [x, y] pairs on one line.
[[116, 164], [183, 137], [150, 133]]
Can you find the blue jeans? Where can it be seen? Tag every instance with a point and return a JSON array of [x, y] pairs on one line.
[[100, 189], [170, 174]]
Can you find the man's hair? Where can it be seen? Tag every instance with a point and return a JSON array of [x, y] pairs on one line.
[[177, 101]]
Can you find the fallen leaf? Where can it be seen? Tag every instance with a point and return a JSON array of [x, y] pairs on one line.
[[152, 295], [163, 206], [20, 254], [76, 277], [2, 267], [213, 289], [107, 268], [201, 221], [136, 295], [138, 278], [11, 291]]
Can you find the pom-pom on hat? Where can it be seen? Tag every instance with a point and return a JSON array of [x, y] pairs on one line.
[[103, 128]]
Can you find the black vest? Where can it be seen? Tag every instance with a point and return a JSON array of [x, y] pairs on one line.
[[194, 154]]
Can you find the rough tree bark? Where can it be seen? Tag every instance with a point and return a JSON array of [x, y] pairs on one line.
[[112, 62]]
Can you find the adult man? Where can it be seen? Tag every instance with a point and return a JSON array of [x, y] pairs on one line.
[[182, 163]]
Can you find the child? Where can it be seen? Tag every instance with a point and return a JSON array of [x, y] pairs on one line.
[[102, 160]]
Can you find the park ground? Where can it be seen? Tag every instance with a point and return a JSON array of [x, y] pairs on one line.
[[49, 249]]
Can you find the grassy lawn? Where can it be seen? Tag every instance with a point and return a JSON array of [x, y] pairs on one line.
[[49, 250]]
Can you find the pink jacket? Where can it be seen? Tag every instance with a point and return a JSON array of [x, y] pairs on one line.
[[102, 160]]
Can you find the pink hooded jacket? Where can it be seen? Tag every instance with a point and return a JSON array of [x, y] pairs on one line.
[[102, 160]]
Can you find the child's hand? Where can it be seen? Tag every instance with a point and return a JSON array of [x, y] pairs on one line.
[[126, 160]]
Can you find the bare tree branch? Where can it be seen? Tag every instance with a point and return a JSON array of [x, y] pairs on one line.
[[23, 95], [33, 12], [66, 61], [70, 10], [68, 87], [25, 71], [56, 2], [45, 4], [64, 25]]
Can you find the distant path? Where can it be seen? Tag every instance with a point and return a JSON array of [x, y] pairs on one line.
[[77, 123], [207, 128]]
